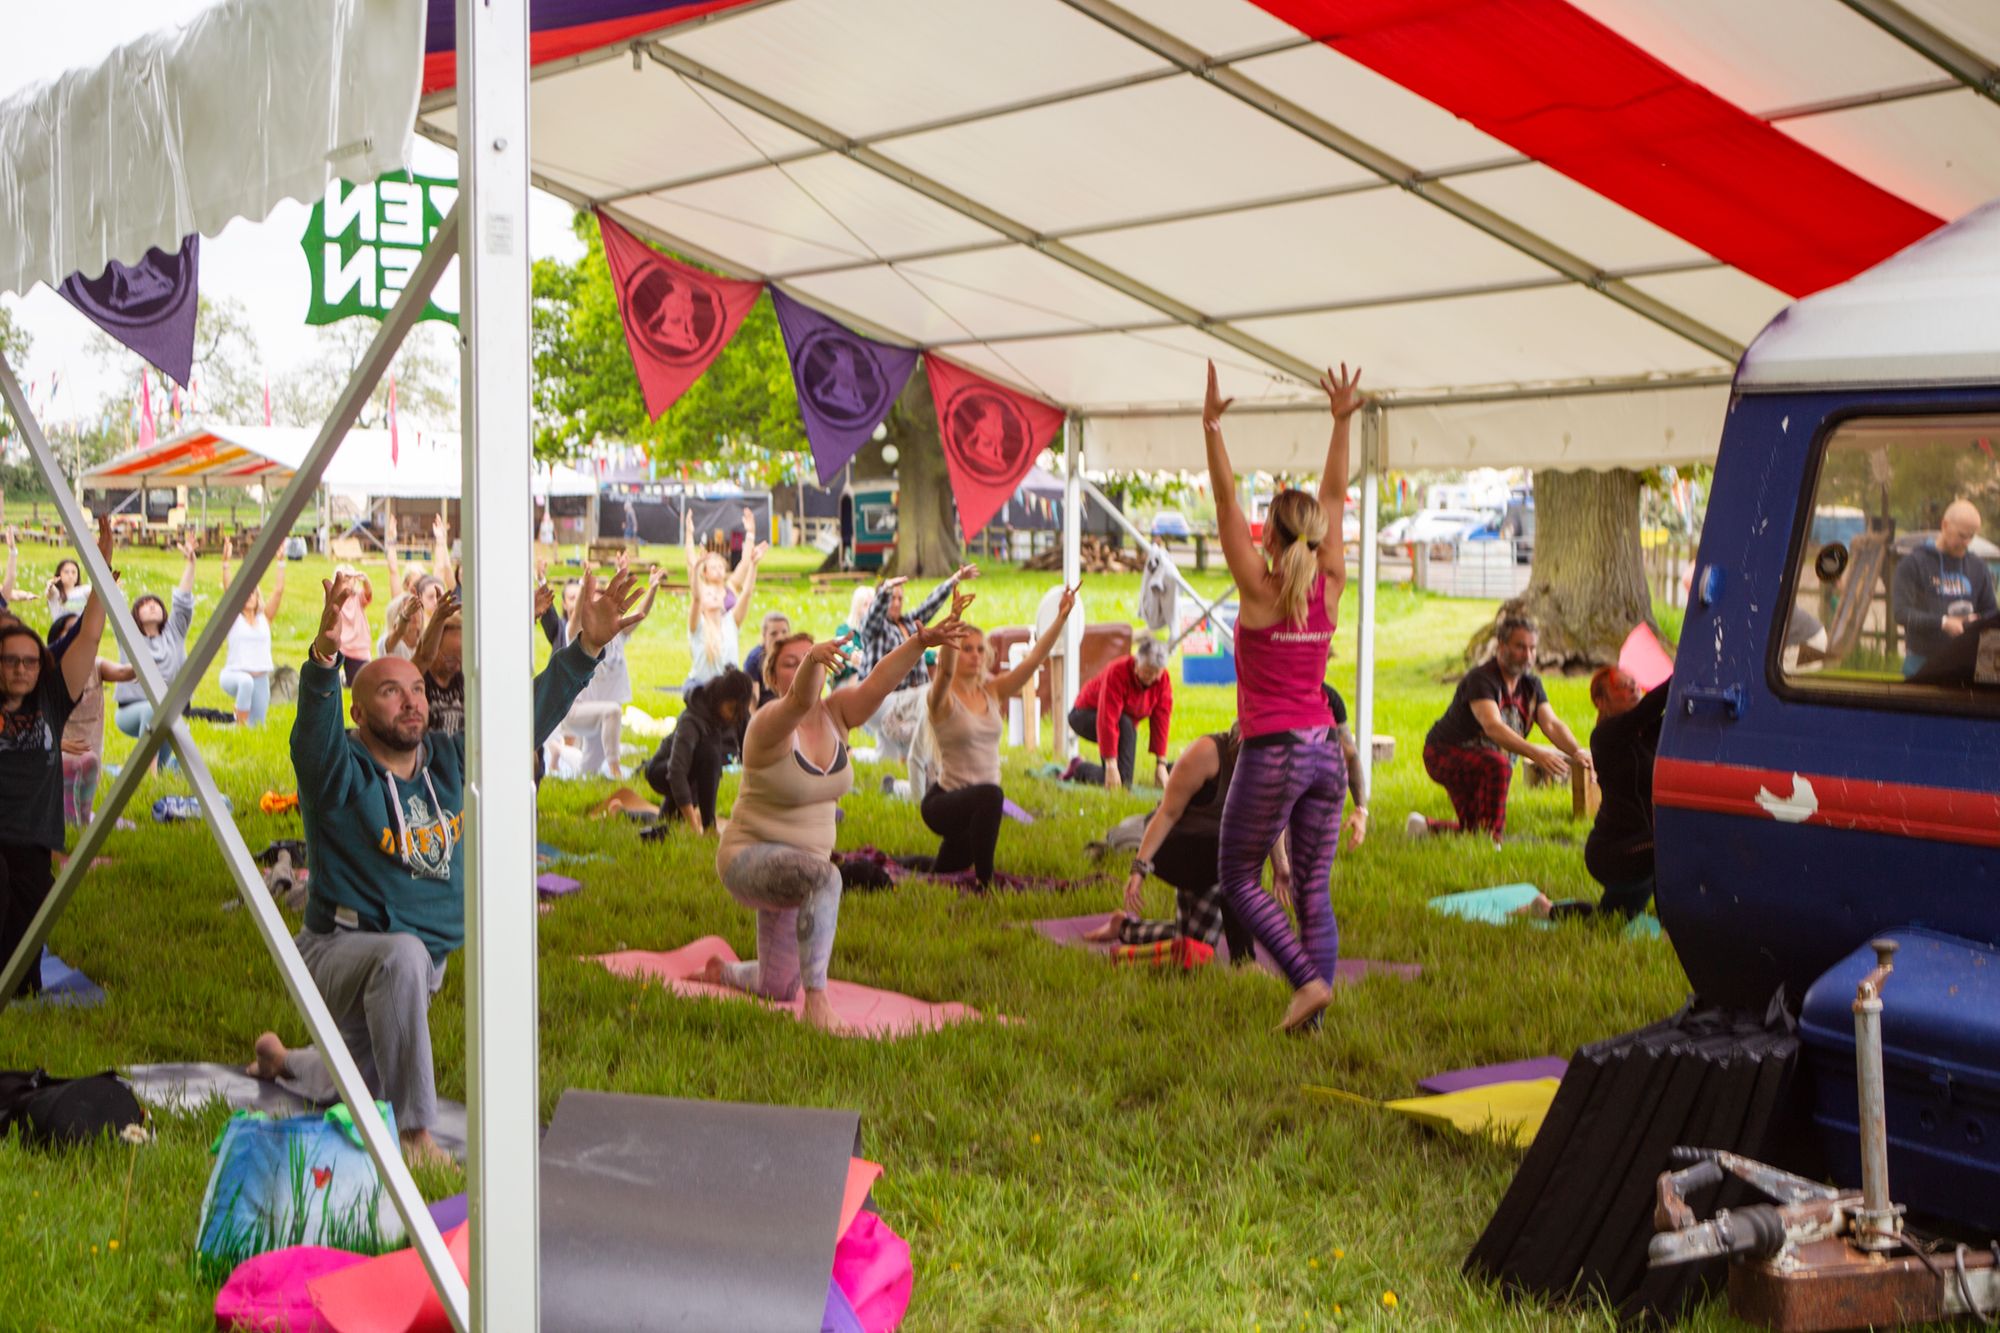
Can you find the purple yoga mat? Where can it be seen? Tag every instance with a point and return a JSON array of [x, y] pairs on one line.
[[1070, 930], [1514, 1071], [448, 1213], [551, 885]]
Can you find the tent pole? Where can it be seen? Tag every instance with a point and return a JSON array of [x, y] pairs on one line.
[[1072, 670], [502, 994], [1365, 596]]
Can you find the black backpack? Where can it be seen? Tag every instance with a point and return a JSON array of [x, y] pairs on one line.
[[65, 1112]]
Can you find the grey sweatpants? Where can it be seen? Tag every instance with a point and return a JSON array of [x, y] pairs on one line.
[[796, 897], [379, 987]]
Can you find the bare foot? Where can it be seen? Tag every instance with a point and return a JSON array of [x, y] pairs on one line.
[[712, 973], [272, 1058], [1108, 932], [818, 1012], [1540, 908], [421, 1150], [1307, 1002]]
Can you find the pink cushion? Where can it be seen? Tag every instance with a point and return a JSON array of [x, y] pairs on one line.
[[268, 1292], [872, 1267]]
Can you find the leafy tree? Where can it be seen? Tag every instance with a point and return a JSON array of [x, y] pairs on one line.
[[14, 341], [425, 372]]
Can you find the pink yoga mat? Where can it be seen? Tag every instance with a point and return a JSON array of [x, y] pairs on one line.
[[1644, 659], [1070, 930], [867, 1012]]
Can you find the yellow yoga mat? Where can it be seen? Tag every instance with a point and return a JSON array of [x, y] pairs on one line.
[[1507, 1113]]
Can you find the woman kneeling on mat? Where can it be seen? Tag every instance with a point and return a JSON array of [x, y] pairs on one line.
[[1290, 777], [967, 709], [776, 856], [1180, 845]]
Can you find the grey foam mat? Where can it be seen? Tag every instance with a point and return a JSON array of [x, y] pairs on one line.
[[660, 1213], [191, 1086]]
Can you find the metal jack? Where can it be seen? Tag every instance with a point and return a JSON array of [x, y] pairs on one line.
[[1818, 1257]]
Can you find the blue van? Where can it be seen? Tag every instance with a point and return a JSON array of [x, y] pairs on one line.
[[1813, 791]]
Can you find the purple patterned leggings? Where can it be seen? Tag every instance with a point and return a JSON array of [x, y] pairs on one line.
[[1300, 786]]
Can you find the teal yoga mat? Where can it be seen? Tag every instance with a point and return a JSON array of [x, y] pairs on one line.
[[1491, 906]]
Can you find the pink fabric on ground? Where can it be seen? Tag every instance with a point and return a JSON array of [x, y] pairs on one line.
[[871, 1266], [867, 1012], [267, 1292]]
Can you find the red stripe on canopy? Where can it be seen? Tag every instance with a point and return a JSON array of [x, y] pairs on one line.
[[1569, 92], [441, 67]]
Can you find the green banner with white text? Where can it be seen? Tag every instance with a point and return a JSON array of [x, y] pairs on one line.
[[362, 243]]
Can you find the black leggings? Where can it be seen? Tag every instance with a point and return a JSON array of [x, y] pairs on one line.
[[968, 820], [704, 779], [26, 875]]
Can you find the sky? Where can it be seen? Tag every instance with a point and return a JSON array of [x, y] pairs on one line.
[[259, 263]]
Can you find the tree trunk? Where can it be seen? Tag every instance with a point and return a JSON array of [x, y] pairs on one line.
[[1587, 588], [927, 540]]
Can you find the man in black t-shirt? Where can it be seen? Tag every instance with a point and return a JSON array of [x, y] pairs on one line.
[[1470, 750]]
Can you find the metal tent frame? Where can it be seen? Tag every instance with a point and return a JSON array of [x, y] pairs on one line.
[[487, 231]]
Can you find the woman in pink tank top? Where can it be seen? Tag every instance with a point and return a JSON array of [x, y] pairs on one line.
[[1290, 775]]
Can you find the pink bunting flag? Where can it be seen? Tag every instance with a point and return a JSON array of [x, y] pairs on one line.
[[677, 318], [147, 434], [991, 435], [395, 443]]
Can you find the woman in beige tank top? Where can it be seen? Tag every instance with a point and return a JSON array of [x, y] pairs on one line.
[[776, 855], [967, 704]]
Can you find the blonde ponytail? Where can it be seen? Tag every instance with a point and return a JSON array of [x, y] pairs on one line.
[[1297, 526]]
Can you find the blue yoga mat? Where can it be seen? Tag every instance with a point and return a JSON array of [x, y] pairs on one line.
[[63, 984], [1491, 906]]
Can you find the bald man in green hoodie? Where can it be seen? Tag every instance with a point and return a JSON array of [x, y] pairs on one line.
[[383, 806]]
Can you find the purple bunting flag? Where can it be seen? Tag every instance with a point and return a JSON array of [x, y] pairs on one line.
[[846, 383], [148, 306]]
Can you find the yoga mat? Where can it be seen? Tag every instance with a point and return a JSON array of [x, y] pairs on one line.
[[671, 1214], [1644, 659], [1015, 812], [867, 1012], [1070, 930], [551, 885], [1508, 1113], [861, 1177], [64, 985], [190, 1086], [1513, 1071], [554, 856], [1493, 907]]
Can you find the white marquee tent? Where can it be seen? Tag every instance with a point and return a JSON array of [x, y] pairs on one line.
[[1546, 227]]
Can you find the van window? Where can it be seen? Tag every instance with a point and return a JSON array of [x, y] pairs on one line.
[[1893, 582]]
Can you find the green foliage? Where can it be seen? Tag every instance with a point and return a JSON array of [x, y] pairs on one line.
[[585, 389]]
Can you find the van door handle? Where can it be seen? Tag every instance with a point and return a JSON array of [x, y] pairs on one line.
[[1729, 697]]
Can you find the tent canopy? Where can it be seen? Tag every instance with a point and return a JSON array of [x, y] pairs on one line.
[[426, 467], [1547, 228]]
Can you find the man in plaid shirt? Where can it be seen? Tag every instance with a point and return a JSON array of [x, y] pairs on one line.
[[894, 725]]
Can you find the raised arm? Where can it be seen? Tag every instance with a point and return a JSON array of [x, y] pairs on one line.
[[81, 656], [929, 606], [742, 578], [1343, 395], [1009, 683], [440, 543], [1200, 763], [180, 614], [426, 651], [1246, 567], [771, 726], [854, 704], [603, 612], [277, 598], [320, 755], [940, 687], [389, 550], [186, 585], [748, 568]]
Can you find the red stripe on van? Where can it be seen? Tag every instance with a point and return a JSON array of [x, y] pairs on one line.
[[1936, 814]]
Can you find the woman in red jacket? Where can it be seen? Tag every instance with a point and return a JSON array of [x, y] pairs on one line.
[[1109, 708]]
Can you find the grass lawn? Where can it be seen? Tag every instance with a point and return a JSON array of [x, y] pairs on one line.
[[1132, 1153]]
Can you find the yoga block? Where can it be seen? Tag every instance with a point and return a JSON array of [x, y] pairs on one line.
[[1217, 670]]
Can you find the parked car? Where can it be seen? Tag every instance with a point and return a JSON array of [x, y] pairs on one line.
[[1443, 527], [1517, 525], [1170, 523]]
